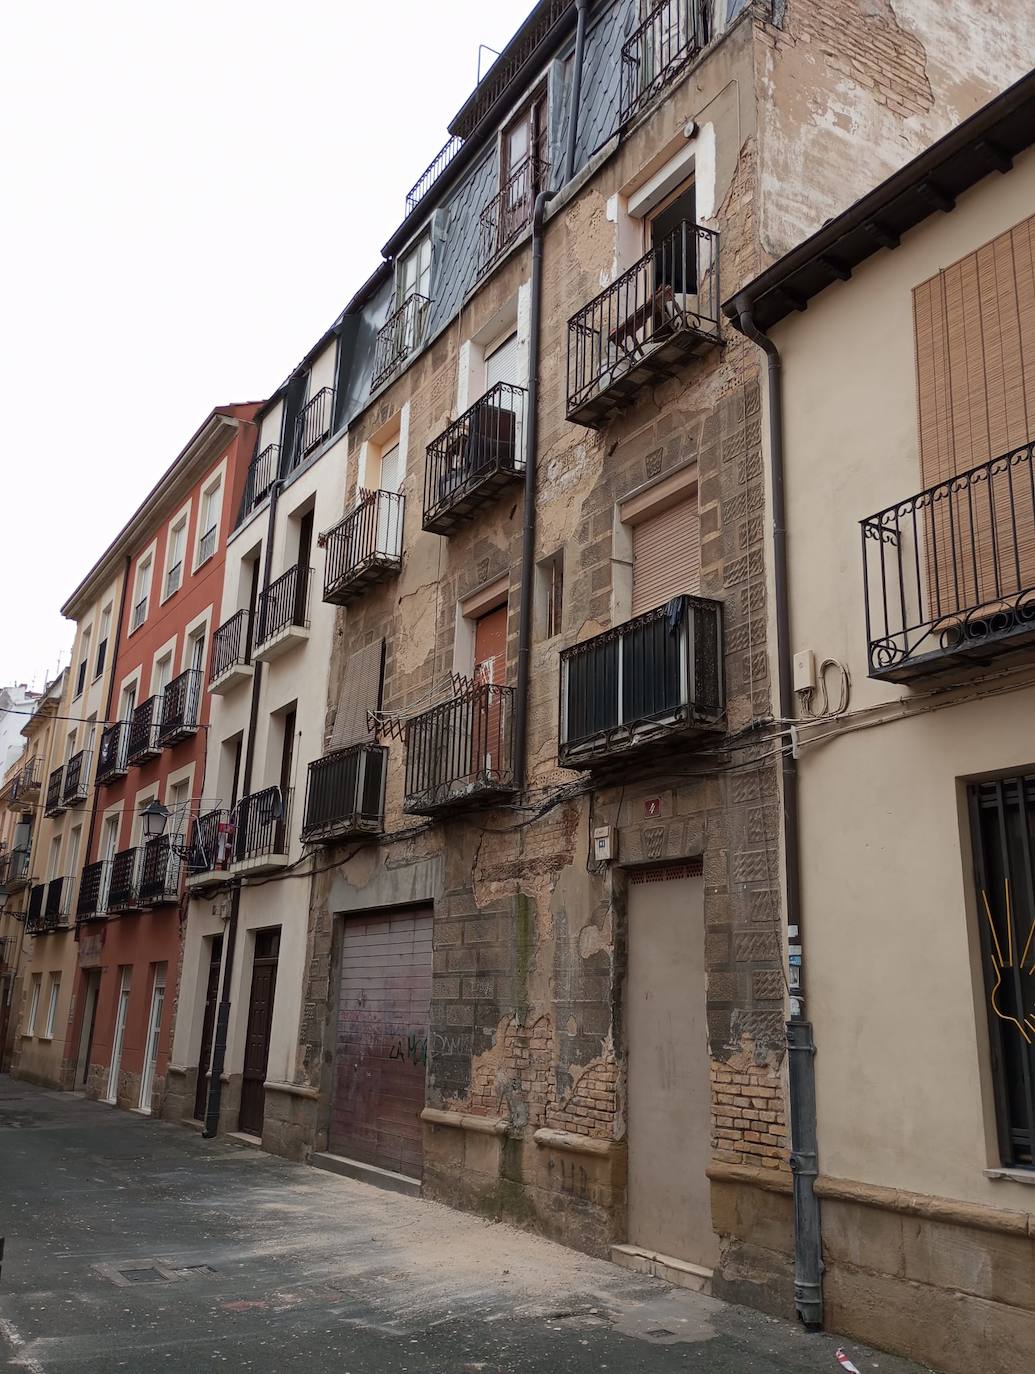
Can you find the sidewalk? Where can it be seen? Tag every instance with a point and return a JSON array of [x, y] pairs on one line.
[[135, 1245]]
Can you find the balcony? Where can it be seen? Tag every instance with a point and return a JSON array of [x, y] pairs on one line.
[[365, 547], [58, 904], [77, 779], [261, 835], [345, 796], [315, 420], [14, 868], [124, 881], [460, 754], [35, 917], [231, 654], [211, 849], [93, 892], [22, 791], [509, 213], [7, 952], [262, 473], [400, 335], [181, 708], [282, 618], [949, 574], [671, 36], [113, 754], [160, 872], [54, 804], [143, 731], [661, 312], [478, 455], [643, 686], [139, 615]]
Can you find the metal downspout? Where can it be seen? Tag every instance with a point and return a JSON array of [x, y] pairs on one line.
[[801, 1049], [219, 1034], [524, 652]]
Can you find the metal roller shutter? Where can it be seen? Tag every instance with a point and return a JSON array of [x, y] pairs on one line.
[[666, 556], [501, 365], [382, 1040]]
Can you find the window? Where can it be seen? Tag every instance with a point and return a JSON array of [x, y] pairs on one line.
[[501, 363], [72, 859], [550, 594], [80, 680], [174, 557], [523, 166], [1002, 817], [54, 858], [675, 247], [141, 593], [102, 646], [162, 675], [414, 272], [52, 1004], [208, 522], [34, 1003], [129, 702]]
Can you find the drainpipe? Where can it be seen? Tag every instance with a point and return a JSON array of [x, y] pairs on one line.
[[219, 1033], [808, 1245], [524, 653]]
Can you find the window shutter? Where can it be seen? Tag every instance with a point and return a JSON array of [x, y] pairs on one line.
[[501, 366], [360, 693], [975, 363], [666, 556]]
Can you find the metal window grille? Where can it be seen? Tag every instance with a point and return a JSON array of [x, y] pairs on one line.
[[345, 793], [1003, 829]]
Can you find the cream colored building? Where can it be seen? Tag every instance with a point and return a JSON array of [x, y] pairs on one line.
[[909, 454], [65, 818]]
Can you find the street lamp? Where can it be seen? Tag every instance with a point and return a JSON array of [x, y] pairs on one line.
[[154, 816]]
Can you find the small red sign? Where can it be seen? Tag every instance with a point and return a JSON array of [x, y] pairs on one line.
[[652, 806]]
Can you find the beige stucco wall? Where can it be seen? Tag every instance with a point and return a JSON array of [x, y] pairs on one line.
[[893, 978]]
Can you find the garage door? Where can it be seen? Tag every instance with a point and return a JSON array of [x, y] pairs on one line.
[[382, 1042]]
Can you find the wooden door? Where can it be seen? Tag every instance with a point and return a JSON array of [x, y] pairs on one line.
[[208, 1023], [382, 1040], [490, 666], [257, 1036]]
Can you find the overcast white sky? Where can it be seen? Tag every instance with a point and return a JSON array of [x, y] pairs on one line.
[[191, 191]]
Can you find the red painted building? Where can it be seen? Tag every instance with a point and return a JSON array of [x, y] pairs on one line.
[[152, 748]]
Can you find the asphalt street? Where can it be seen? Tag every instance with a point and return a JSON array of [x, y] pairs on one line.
[[133, 1244]]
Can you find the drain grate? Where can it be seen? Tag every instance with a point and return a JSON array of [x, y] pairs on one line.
[[132, 1272], [659, 1332], [145, 1273]]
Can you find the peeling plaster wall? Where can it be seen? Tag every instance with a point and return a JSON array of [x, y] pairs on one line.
[[852, 89]]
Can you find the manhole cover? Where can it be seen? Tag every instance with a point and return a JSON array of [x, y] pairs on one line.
[[146, 1274], [139, 1271]]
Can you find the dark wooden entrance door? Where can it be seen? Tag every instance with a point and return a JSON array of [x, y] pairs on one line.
[[382, 1042], [208, 1024], [257, 1040]]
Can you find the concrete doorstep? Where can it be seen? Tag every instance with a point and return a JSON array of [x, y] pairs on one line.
[[368, 1173], [680, 1273]]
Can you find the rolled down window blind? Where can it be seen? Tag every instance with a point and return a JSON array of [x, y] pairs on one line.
[[666, 556], [975, 359]]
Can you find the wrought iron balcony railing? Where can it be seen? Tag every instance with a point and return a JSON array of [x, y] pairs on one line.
[[173, 578], [37, 922], [181, 708], [207, 544], [461, 752], [314, 421], [91, 904], [231, 646], [478, 454], [949, 574], [211, 842], [660, 312], [509, 213], [6, 951], [365, 547], [139, 614], [261, 829], [345, 794], [672, 35], [113, 754], [432, 172], [124, 881], [636, 686], [22, 789], [284, 603], [400, 335], [143, 731], [14, 867], [77, 778], [262, 473], [160, 867], [54, 803]]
